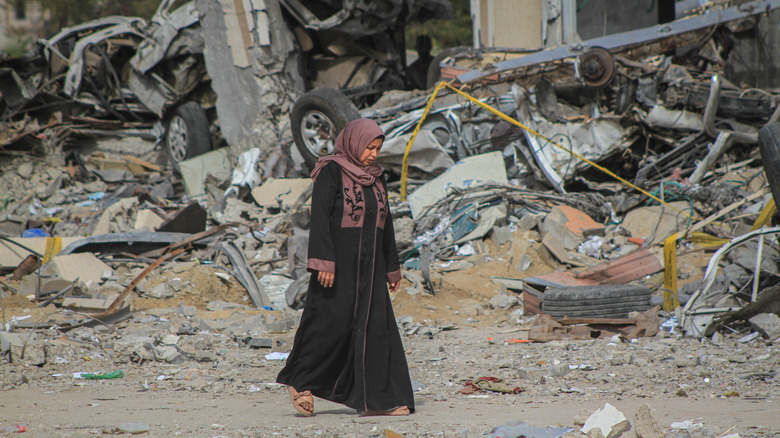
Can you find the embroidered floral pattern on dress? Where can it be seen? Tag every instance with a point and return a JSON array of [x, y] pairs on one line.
[[381, 200], [355, 204]]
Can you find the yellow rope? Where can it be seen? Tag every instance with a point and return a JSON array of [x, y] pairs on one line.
[[405, 165], [580, 157], [670, 253], [769, 210], [670, 273], [53, 247]]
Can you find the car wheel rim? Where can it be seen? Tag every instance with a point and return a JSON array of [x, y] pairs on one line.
[[318, 133], [177, 139]]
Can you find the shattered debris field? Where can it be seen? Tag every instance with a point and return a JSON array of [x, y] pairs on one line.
[[196, 357], [586, 231]]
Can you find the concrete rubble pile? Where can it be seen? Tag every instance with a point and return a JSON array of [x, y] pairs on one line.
[[629, 204]]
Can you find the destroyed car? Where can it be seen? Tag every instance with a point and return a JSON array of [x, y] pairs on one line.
[[129, 76], [618, 100], [122, 76]]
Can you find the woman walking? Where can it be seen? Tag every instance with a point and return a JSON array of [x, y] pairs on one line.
[[347, 348]]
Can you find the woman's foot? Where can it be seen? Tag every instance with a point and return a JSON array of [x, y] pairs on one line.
[[403, 410], [303, 402]]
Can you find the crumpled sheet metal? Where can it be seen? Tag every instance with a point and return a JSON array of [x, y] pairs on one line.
[[699, 312], [626, 40], [594, 140], [153, 50], [470, 172], [427, 156]]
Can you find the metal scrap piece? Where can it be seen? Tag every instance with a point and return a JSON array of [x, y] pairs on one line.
[[244, 275], [624, 40]]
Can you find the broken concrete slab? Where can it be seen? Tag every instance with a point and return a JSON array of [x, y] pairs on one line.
[[120, 217], [194, 171], [646, 424], [280, 193], [147, 219], [24, 349], [562, 218], [13, 252], [609, 421], [89, 303], [82, 266], [768, 324], [657, 222], [469, 172]]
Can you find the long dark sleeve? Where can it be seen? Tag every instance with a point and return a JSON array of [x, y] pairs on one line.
[[322, 256], [391, 249]]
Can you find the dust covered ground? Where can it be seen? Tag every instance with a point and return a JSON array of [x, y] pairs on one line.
[[221, 389], [187, 370]]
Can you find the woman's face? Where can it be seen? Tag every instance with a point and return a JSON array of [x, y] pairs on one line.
[[371, 152]]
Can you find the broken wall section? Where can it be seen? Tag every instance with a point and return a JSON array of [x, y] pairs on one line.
[[755, 58], [250, 55]]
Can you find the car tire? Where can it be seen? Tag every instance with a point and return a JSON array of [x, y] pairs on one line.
[[187, 133], [317, 118], [769, 146], [600, 301], [434, 70]]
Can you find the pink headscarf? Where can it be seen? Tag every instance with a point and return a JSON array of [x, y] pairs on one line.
[[350, 144]]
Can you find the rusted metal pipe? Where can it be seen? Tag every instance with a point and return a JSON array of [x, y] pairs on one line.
[[713, 100]]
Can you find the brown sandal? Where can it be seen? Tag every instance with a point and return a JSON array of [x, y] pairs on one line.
[[401, 410], [300, 401]]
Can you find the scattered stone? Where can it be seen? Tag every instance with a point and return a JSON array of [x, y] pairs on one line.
[[161, 291], [768, 324], [503, 301], [25, 170], [610, 422], [646, 425]]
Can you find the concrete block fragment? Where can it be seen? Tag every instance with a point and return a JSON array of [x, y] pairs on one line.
[[147, 219], [280, 193], [768, 324], [534, 374], [524, 263], [170, 340], [118, 218], [501, 235], [646, 425], [168, 354], [528, 222], [161, 291], [260, 343], [641, 221], [608, 421], [24, 349], [82, 266], [89, 303], [34, 354], [195, 170], [502, 301], [25, 170]]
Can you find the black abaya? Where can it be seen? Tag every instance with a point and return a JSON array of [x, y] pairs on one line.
[[347, 348]]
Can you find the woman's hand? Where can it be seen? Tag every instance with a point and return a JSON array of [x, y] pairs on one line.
[[326, 278], [394, 285]]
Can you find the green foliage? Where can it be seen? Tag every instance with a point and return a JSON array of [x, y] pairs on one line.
[[64, 13], [444, 33]]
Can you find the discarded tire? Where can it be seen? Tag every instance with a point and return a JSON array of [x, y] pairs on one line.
[[602, 301], [317, 118], [187, 134], [769, 145]]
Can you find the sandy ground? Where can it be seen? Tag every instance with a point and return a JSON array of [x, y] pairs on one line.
[[721, 387]]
